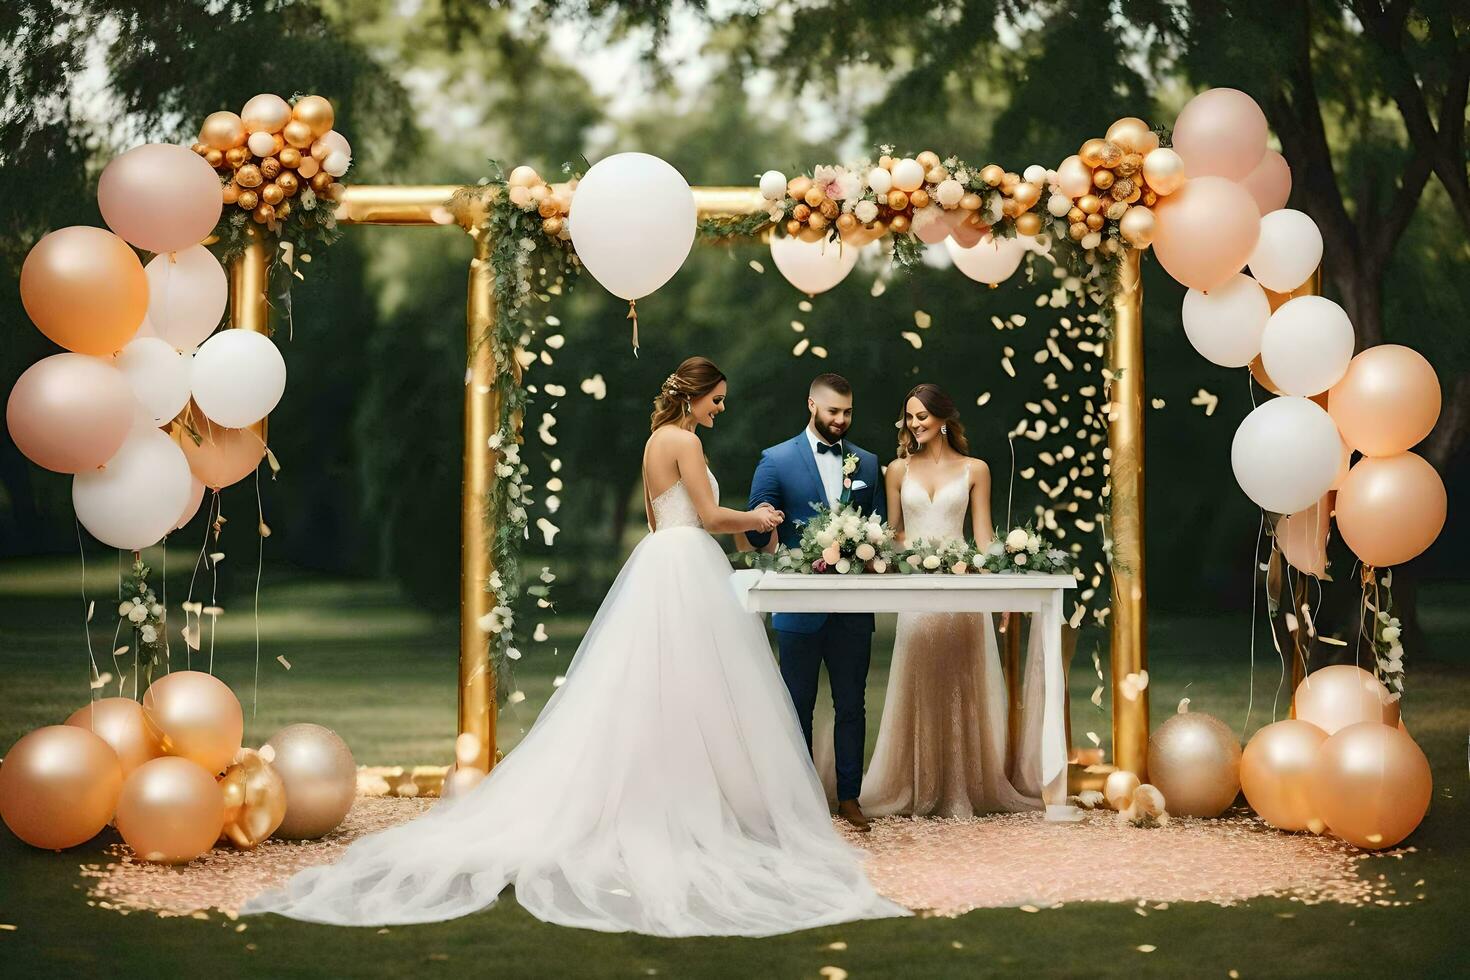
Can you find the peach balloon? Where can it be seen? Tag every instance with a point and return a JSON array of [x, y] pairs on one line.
[[1074, 177], [1270, 182], [59, 786], [1387, 402], [1194, 760], [85, 289], [196, 716], [70, 412], [196, 497], [1390, 508], [1205, 232], [1221, 133], [119, 722], [222, 456], [1133, 135], [160, 197], [1340, 695], [1275, 770], [1302, 538], [222, 131], [170, 811], [1370, 785]]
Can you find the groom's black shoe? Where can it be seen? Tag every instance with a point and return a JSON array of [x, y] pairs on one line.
[[850, 811]]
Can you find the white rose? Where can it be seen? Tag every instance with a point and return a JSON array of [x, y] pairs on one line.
[[1390, 633], [913, 560], [960, 568], [156, 609], [125, 608], [826, 538], [1021, 558], [931, 562], [1033, 544], [996, 548], [875, 533], [137, 614], [149, 634], [497, 440], [849, 465], [865, 552], [504, 470], [1016, 540], [865, 211], [843, 566], [852, 526], [880, 566]]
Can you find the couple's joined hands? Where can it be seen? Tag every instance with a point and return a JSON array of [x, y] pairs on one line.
[[767, 518]]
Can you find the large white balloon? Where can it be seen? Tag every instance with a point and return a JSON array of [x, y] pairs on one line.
[[187, 295], [1225, 324], [137, 497], [813, 267], [632, 223], [1286, 454], [239, 377], [159, 375], [990, 260], [1287, 252], [1307, 345]]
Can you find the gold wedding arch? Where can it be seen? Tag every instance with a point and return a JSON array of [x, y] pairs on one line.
[[441, 206]]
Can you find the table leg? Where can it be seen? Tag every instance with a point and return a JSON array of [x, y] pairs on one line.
[[1054, 725]]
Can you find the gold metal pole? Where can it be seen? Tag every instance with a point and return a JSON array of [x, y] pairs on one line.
[[249, 307], [1125, 443], [427, 204]]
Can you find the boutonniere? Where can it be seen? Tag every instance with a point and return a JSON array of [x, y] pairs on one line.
[[849, 464]]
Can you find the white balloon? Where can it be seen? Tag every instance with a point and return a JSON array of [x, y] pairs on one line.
[[880, 180], [1034, 174], [196, 497], [137, 496], [1225, 324], [908, 174], [632, 223], [337, 163], [239, 377], [813, 267], [1286, 454], [159, 375], [931, 224], [990, 260], [1287, 252], [331, 142], [187, 295], [773, 185], [1058, 205], [1307, 345]]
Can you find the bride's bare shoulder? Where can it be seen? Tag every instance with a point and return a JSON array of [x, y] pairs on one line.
[[979, 469], [897, 468], [669, 439]]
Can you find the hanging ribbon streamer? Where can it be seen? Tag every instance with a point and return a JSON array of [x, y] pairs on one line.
[[633, 315]]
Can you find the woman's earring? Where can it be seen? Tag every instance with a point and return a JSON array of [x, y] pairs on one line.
[[944, 430]]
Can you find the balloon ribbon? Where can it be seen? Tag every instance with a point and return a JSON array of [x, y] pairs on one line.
[[633, 315]]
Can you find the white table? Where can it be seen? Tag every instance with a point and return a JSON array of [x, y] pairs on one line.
[[1041, 595]]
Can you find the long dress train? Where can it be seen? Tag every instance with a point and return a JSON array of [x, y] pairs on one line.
[[665, 788]]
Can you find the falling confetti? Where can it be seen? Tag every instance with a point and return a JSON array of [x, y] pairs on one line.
[[800, 348], [914, 339], [1206, 399], [922, 320], [595, 386], [281, 659], [819, 351], [757, 266], [798, 326], [555, 341], [983, 399]]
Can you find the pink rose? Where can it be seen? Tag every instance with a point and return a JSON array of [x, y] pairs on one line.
[[832, 554]]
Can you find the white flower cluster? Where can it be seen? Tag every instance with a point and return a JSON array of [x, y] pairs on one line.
[[1390, 654]]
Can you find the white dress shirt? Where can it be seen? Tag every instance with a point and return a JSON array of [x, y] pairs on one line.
[[829, 467]]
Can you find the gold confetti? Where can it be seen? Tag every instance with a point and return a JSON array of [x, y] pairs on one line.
[[805, 306], [922, 320], [756, 266], [1005, 362], [819, 351], [595, 386], [120, 651], [1029, 908], [983, 399], [800, 348], [91, 608], [1158, 403], [879, 287], [281, 659], [912, 338], [833, 973], [837, 946], [555, 341], [1206, 399], [798, 326], [515, 697], [1146, 948], [1092, 737]]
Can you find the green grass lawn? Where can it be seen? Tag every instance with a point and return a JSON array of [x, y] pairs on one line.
[[382, 674]]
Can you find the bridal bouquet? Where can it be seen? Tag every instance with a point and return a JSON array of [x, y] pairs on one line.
[[838, 541]]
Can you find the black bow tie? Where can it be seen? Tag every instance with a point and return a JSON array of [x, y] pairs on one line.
[[822, 447]]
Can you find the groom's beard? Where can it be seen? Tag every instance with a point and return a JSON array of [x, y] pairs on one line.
[[828, 436]]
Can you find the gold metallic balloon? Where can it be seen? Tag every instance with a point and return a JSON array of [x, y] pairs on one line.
[[170, 811], [1275, 769], [1371, 785], [59, 786], [1137, 226], [320, 777], [1133, 135], [316, 112], [1194, 759], [1164, 170], [254, 798], [1340, 695], [265, 114], [222, 131], [196, 717], [119, 722], [298, 134], [1119, 789]]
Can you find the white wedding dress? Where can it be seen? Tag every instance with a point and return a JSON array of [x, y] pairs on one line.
[[664, 789]]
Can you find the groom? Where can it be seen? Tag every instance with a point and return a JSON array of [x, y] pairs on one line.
[[792, 477]]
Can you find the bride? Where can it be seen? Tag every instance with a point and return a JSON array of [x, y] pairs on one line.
[[665, 788], [941, 747]]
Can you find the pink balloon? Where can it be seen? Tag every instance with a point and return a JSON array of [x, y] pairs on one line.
[[187, 295], [160, 197], [1220, 133], [1270, 182], [1206, 231], [70, 412]]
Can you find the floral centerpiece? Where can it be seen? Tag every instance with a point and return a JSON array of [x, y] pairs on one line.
[[841, 540], [1022, 549]]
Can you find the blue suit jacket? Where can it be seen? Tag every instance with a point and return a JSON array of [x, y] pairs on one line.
[[787, 479]]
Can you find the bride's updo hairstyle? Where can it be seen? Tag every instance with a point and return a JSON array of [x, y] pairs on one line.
[[940, 407], [694, 378]]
